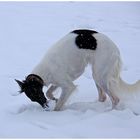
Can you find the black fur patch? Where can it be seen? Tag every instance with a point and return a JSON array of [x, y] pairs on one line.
[[85, 40]]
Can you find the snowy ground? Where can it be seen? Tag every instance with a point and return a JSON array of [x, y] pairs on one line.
[[27, 30]]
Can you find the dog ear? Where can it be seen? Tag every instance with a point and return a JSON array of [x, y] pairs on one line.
[[21, 84]]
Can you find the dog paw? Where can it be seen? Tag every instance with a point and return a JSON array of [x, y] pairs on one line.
[[50, 106]]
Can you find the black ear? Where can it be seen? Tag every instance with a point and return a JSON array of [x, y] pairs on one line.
[[21, 85]]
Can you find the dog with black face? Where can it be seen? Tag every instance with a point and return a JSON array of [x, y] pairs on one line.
[[32, 86], [66, 61]]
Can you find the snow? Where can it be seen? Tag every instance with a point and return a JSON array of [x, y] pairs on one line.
[[27, 30]]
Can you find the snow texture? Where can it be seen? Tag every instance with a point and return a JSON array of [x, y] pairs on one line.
[[27, 30]]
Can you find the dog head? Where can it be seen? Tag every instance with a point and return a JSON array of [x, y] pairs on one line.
[[32, 86]]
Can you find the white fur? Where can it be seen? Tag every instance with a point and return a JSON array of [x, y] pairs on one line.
[[64, 62], [51, 105]]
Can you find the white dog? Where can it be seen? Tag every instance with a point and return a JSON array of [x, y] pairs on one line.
[[66, 60]]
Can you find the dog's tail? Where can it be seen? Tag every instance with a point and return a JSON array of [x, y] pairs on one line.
[[120, 87], [130, 89]]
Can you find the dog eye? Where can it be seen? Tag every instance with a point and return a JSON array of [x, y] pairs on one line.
[[34, 89], [34, 85]]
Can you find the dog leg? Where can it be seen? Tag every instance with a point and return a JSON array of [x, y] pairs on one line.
[[50, 91], [102, 95], [66, 92], [115, 100]]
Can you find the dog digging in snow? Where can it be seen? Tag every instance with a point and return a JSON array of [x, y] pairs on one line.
[[67, 59]]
